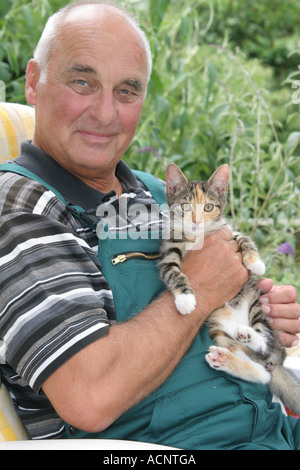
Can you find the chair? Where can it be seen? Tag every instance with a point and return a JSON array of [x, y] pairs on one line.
[[16, 124]]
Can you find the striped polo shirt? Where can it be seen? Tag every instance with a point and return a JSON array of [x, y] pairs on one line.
[[54, 299]]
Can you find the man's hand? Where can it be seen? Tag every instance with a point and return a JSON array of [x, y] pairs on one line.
[[279, 303]]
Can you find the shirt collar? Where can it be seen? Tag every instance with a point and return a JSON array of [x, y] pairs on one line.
[[71, 187]]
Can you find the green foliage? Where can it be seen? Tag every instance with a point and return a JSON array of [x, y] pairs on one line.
[[262, 29], [21, 24], [221, 91]]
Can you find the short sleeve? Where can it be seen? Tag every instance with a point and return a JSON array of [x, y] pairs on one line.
[[54, 299]]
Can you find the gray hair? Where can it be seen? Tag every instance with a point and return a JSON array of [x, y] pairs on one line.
[[48, 40]]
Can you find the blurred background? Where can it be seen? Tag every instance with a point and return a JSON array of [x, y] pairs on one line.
[[225, 88]]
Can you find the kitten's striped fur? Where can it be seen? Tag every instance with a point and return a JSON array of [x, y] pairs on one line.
[[246, 344]]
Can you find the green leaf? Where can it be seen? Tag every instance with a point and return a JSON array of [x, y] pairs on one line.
[[158, 9], [5, 74], [292, 142], [212, 75], [219, 111]]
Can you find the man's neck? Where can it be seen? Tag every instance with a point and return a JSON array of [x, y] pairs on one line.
[[104, 185]]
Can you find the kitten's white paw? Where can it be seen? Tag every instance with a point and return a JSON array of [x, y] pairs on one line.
[[216, 357], [185, 303], [257, 268], [222, 359], [255, 341], [244, 334]]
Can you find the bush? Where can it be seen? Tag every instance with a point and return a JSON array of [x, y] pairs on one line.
[[21, 23], [264, 30], [209, 104]]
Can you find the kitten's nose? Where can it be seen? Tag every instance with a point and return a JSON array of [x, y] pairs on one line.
[[197, 222]]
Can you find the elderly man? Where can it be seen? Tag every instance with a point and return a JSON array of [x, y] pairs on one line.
[[92, 348]]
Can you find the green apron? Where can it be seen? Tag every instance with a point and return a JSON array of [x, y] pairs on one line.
[[197, 407]]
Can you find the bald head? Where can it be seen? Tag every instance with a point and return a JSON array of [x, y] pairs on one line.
[[104, 14]]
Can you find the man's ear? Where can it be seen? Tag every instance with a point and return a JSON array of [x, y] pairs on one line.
[[32, 78]]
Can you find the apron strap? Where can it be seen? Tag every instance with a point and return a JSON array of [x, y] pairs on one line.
[[156, 187], [77, 211], [20, 170]]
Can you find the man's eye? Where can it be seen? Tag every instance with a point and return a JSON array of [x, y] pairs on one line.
[[125, 95], [81, 82]]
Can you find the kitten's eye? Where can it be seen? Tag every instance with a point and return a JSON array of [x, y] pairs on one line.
[[209, 207], [186, 207]]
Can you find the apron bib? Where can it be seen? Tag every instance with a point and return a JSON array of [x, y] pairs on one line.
[[197, 407]]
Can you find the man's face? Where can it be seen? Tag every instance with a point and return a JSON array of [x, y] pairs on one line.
[[89, 104]]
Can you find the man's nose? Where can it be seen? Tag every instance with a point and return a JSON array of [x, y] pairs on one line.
[[104, 107]]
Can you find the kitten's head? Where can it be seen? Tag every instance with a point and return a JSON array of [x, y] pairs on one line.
[[197, 201]]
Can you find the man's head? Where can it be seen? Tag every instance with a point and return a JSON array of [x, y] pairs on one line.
[[88, 81], [49, 39]]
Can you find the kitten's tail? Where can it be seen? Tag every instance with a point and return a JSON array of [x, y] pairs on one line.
[[285, 387]]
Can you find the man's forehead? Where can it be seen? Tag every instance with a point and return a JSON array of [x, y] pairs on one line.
[[98, 17], [83, 29]]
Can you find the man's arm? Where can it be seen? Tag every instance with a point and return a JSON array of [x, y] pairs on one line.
[[97, 385]]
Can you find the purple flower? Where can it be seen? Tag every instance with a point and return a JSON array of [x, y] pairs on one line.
[[286, 249], [149, 149]]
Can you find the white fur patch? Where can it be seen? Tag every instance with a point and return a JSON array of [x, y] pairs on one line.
[[257, 268], [247, 335], [185, 303], [239, 316]]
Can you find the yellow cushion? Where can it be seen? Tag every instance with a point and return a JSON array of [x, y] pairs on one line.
[[16, 125], [11, 428]]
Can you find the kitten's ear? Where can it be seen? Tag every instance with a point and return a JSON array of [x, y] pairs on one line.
[[219, 180], [175, 179]]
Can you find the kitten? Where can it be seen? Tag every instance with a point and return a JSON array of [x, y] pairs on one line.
[[246, 344]]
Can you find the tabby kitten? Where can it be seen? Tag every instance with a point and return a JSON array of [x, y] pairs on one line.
[[246, 344]]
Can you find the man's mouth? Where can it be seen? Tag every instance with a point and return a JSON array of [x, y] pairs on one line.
[[97, 137]]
